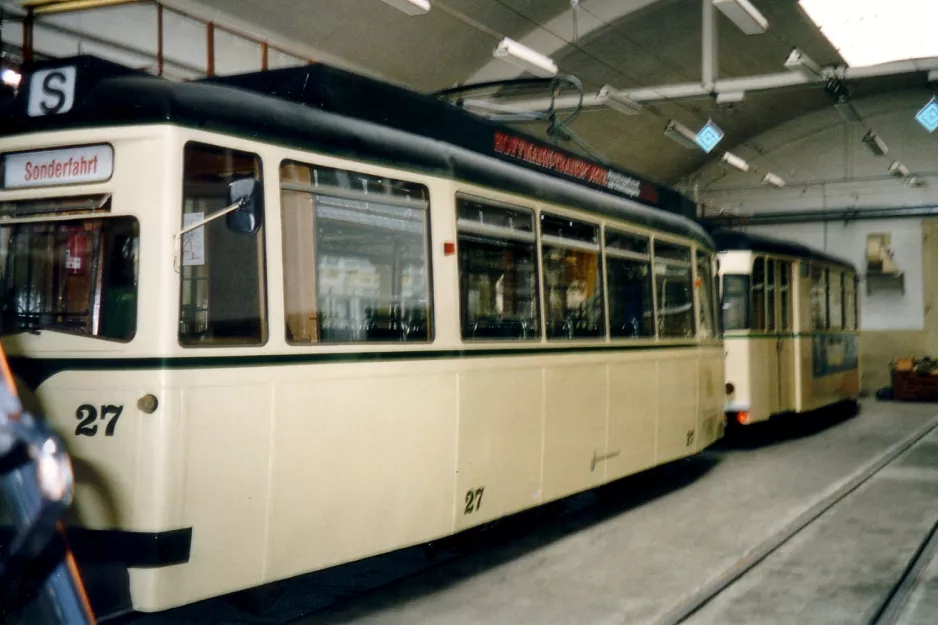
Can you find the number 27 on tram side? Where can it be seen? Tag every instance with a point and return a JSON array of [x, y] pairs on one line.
[[277, 338], [790, 323]]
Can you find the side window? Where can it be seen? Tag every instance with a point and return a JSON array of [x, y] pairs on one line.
[[573, 284], [675, 290], [856, 303], [784, 295], [850, 307], [770, 295], [705, 295], [836, 279], [628, 274], [757, 301], [818, 297], [497, 271], [222, 298], [355, 256], [735, 302]]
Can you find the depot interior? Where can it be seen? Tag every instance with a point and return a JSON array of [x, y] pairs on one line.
[[805, 120], [815, 119]]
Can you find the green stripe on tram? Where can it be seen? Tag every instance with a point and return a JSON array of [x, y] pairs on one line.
[[787, 335], [36, 370]]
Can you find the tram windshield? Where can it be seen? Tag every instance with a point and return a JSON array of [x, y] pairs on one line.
[[76, 276], [735, 302]]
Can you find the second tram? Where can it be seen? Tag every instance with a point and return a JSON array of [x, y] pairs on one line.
[[790, 323]]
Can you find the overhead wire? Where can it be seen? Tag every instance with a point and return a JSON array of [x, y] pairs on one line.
[[695, 111]]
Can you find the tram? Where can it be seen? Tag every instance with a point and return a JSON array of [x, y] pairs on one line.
[[277, 337], [790, 323]]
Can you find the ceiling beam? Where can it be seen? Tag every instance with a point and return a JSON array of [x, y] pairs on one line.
[[542, 39], [696, 91]]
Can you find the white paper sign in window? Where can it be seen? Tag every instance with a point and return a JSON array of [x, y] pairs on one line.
[[193, 242]]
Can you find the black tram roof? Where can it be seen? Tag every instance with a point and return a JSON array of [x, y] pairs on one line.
[[733, 240], [323, 109]]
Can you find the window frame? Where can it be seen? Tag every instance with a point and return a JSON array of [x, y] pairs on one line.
[[260, 236], [578, 245], [637, 257], [312, 189], [505, 234], [753, 287], [706, 259], [689, 264], [786, 309]]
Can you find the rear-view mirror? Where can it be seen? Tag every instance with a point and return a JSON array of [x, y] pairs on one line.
[[248, 217]]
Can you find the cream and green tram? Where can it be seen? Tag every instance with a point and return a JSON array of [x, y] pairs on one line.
[[277, 339], [790, 325]]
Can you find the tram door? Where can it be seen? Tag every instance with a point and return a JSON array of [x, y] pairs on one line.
[[785, 347], [771, 327]]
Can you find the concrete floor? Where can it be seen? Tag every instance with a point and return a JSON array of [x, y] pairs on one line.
[[631, 552]]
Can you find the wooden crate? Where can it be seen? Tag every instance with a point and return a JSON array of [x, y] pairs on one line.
[[912, 386]]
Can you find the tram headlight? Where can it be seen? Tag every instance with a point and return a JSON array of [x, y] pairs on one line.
[[730, 388]]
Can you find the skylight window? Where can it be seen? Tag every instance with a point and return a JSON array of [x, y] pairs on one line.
[[870, 32]]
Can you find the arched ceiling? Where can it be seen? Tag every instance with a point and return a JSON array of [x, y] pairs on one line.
[[623, 43]]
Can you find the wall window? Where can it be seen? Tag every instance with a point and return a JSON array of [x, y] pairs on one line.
[[850, 294], [735, 302], [573, 285], [784, 295], [836, 310], [222, 299], [355, 255], [497, 271], [705, 298], [675, 290], [757, 301], [818, 277], [628, 274]]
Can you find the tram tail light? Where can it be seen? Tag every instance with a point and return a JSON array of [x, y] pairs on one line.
[[742, 418]]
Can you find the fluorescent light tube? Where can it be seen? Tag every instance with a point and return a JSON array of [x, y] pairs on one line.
[[899, 170], [799, 63], [876, 145], [734, 161], [730, 97], [773, 180], [520, 55], [681, 134], [410, 7], [618, 101], [746, 17]]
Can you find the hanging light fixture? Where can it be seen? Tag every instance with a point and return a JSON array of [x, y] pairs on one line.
[[520, 55], [618, 101], [410, 7], [746, 17], [773, 180], [800, 63], [876, 145], [735, 162], [679, 133]]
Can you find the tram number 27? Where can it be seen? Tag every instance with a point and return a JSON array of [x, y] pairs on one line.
[[88, 414], [474, 500]]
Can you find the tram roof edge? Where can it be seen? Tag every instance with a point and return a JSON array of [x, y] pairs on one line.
[[107, 94], [734, 240], [339, 91]]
